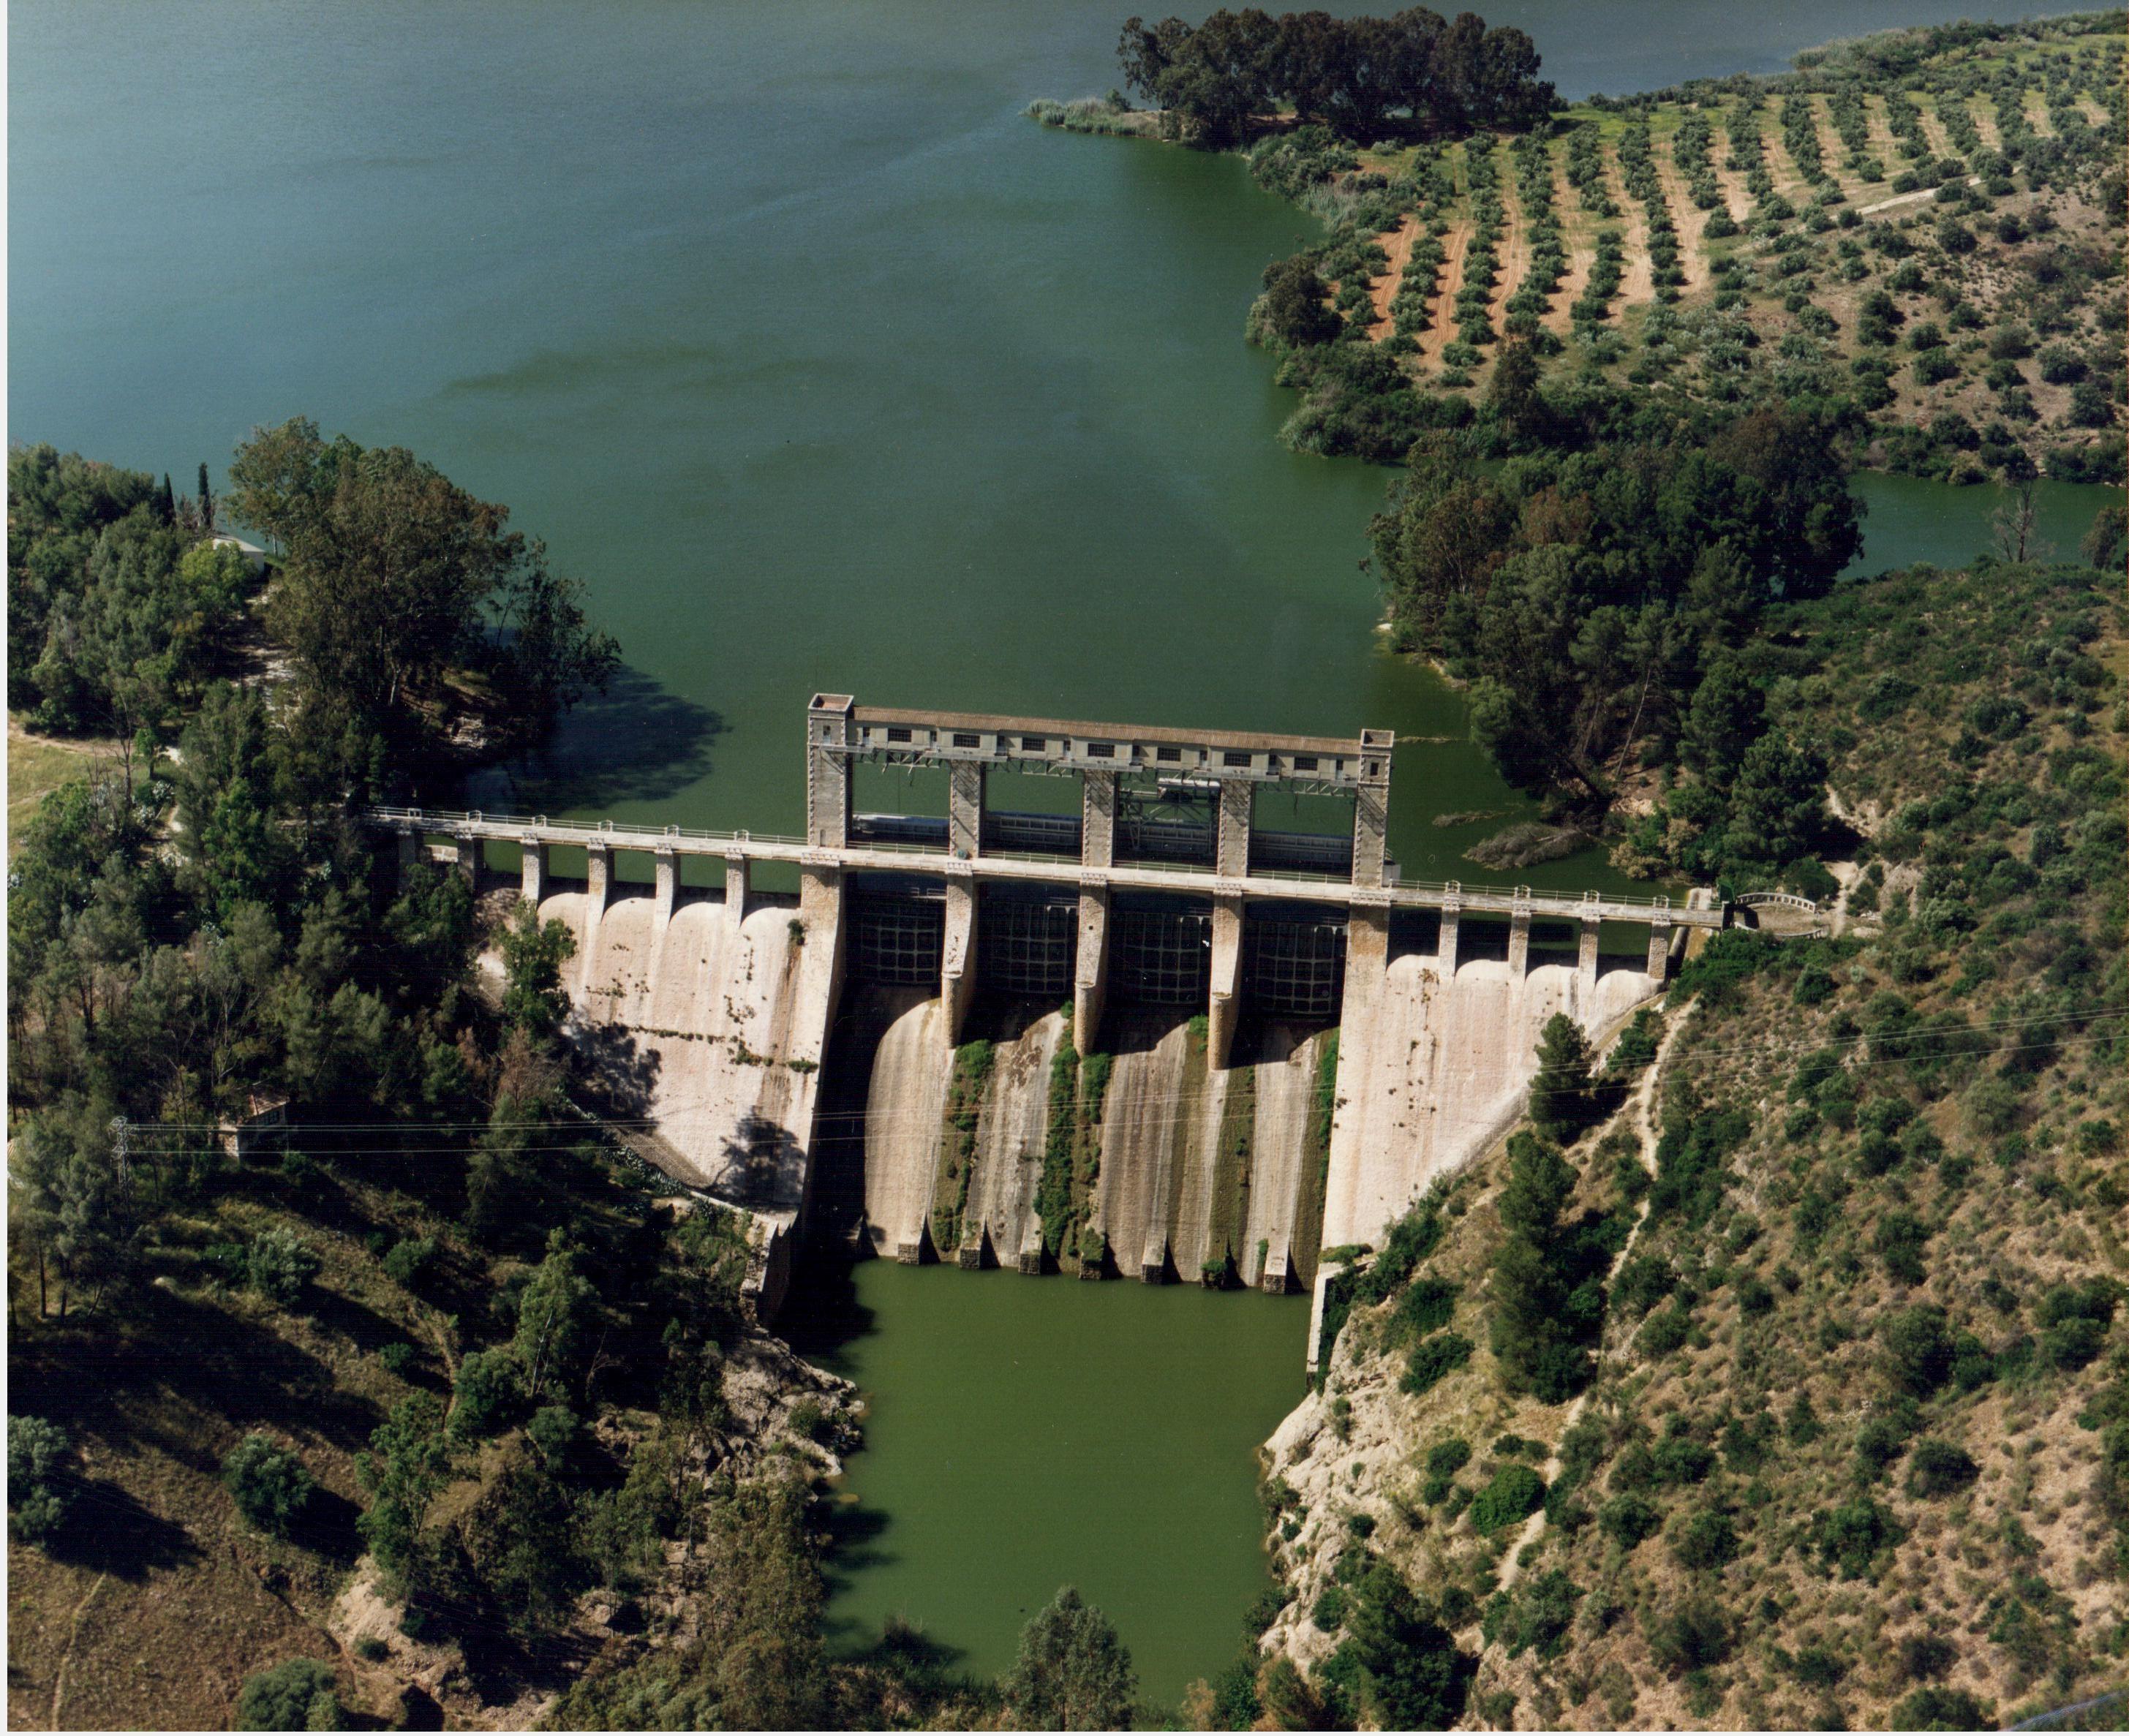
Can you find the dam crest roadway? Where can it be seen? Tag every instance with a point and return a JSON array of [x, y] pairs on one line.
[[875, 1058]]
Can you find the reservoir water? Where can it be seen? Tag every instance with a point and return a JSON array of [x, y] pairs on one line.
[[825, 369]]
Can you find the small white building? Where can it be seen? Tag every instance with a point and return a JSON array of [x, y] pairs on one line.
[[255, 557]]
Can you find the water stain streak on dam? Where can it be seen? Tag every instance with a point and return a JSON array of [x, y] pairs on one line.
[[1151, 1038]]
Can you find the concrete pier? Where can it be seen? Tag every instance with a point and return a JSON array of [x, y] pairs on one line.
[[1090, 974], [1097, 820], [957, 953], [1371, 807], [1660, 947], [1519, 922], [469, 860], [736, 887], [532, 871], [1226, 975], [1445, 945], [1586, 958], [964, 809], [1231, 859], [665, 890]]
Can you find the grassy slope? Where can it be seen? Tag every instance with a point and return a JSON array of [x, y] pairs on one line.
[[2007, 1210], [39, 764]]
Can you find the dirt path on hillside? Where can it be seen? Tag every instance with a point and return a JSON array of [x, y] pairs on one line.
[[1397, 246], [1789, 181], [1447, 282], [1578, 232], [1638, 1115], [1984, 123], [1933, 133], [1638, 284], [1832, 148], [1884, 143], [1736, 194], [1691, 220], [2036, 106], [1514, 255]]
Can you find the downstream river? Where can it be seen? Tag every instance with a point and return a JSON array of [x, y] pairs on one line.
[[826, 370]]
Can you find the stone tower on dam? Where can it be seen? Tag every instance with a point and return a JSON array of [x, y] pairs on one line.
[[1132, 1031]]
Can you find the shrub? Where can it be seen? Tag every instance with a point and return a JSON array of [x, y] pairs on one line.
[[1425, 1305], [487, 1391], [279, 1264], [1443, 1462], [1434, 1358], [1944, 1708], [1662, 1333], [370, 1649], [1851, 1536], [297, 1694], [1938, 1468], [1630, 1519], [268, 1483], [1691, 1636], [40, 1487], [1705, 1540], [1329, 1611], [554, 1431], [397, 1359], [409, 1260], [1924, 1657], [1917, 1348], [1516, 1492]]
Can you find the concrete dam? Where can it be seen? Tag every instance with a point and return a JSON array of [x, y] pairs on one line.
[[1138, 1033]]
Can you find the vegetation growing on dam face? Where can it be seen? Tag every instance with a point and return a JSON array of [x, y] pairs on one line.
[[1848, 1439]]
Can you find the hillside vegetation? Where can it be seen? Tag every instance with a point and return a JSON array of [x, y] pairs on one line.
[[1794, 1392], [1919, 233]]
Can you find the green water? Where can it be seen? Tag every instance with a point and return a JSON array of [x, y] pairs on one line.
[[826, 370], [1029, 1433]]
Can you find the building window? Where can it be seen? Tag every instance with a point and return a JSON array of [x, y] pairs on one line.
[[1304, 762], [1101, 750], [897, 735], [962, 740], [1167, 756], [1232, 758], [1033, 745]]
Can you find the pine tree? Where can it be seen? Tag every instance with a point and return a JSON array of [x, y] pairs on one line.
[[1560, 1098], [206, 498]]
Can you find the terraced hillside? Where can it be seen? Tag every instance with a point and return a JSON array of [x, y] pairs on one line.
[[1923, 228]]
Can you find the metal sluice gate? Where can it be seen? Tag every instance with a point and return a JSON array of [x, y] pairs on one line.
[[1027, 940], [897, 929], [1294, 966]]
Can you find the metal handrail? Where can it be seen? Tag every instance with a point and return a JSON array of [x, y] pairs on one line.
[[651, 837]]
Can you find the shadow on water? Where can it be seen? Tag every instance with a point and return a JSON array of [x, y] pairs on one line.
[[639, 741]]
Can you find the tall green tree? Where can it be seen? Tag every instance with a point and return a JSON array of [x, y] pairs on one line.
[[393, 574], [1559, 1096], [1072, 1671]]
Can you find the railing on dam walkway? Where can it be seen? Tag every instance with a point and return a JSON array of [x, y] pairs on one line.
[[1472, 898]]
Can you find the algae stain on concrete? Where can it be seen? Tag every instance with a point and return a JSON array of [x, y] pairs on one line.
[[1025, 1434]]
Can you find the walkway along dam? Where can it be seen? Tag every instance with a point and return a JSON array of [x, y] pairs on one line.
[[1151, 1038]]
